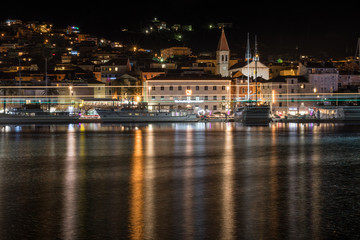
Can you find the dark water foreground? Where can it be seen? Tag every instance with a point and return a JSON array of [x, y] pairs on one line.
[[180, 181]]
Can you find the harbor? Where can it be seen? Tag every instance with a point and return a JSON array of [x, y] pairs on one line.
[[32, 113], [159, 180], [204, 122]]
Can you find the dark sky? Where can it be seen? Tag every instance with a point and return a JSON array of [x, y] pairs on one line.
[[324, 27]]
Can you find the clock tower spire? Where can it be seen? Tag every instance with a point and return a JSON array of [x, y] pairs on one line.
[[223, 56]]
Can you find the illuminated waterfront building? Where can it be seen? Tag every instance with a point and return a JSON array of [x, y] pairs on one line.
[[288, 95], [188, 92]]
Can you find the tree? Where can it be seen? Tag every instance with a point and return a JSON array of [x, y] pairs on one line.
[[126, 87]]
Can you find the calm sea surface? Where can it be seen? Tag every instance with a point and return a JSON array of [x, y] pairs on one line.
[[180, 181]]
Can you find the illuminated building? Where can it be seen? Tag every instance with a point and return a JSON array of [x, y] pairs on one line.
[[114, 69], [322, 76], [188, 91], [222, 56], [175, 51], [150, 73], [287, 95]]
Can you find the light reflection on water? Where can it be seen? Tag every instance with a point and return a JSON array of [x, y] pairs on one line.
[[179, 181]]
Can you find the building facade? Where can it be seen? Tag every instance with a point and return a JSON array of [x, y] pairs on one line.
[[323, 77], [196, 92], [288, 95], [175, 51]]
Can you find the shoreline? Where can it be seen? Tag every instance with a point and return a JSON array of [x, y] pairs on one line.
[[79, 121], [315, 121]]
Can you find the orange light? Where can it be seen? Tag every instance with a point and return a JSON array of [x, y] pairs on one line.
[[273, 96]]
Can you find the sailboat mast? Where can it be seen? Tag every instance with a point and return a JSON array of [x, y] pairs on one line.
[[248, 56], [256, 59], [358, 51]]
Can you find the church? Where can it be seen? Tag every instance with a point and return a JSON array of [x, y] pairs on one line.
[[227, 68], [222, 56]]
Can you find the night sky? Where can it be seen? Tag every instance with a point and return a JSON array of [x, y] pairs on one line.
[[312, 27]]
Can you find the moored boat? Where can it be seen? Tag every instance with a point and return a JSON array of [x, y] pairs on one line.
[[133, 115], [253, 115], [351, 113], [36, 116]]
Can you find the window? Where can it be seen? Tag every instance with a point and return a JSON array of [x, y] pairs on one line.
[[153, 88], [214, 98], [223, 88], [206, 107], [179, 88], [197, 88], [214, 87], [214, 107], [206, 88], [153, 98], [188, 87], [162, 98], [171, 88], [162, 88], [206, 98], [223, 97]]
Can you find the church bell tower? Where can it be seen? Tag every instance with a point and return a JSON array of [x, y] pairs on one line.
[[222, 56]]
